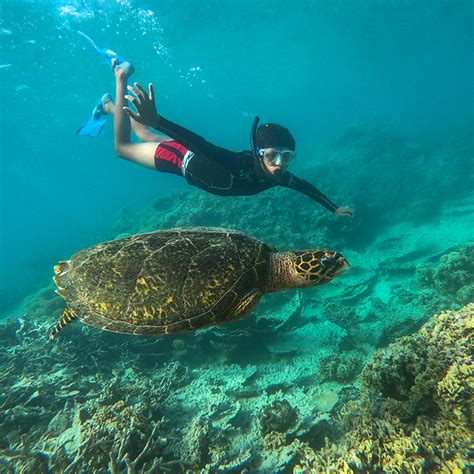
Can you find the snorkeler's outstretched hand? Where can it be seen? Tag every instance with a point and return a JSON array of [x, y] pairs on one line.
[[144, 103], [344, 211]]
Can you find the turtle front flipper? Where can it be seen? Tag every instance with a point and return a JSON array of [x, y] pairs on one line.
[[67, 317], [246, 304]]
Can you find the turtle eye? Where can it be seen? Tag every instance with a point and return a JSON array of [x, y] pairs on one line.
[[327, 261]]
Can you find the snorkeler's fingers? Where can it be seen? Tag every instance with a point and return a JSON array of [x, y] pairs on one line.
[[344, 211], [134, 101], [151, 92], [142, 91], [135, 93], [132, 114]]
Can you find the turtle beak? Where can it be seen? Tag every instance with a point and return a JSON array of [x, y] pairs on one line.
[[341, 264]]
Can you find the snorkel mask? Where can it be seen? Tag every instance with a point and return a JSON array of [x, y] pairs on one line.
[[277, 156]]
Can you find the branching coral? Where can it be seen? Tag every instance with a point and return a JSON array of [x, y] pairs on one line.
[[68, 408]]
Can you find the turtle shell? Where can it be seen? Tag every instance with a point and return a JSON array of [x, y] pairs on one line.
[[166, 281]]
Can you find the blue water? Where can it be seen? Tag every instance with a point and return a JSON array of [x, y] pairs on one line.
[[379, 96], [315, 66]]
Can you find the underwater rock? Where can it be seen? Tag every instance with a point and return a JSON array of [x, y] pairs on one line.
[[344, 316], [307, 339], [382, 322], [325, 400], [285, 317], [279, 457], [455, 270], [320, 430], [24, 459], [179, 348], [60, 423], [407, 373], [277, 387], [195, 208], [239, 463], [245, 393]]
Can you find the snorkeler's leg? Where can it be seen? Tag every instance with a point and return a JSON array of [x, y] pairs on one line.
[[144, 133], [140, 153]]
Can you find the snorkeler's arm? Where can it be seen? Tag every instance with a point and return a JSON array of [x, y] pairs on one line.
[[293, 182]]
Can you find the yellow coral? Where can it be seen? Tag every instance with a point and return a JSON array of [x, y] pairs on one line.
[[273, 440], [378, 440]]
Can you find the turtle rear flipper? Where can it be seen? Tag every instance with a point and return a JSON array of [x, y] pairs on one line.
[[62, 267], [60, 270], [67, 317]]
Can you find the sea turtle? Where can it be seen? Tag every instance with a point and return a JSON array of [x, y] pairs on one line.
[[178, 280]]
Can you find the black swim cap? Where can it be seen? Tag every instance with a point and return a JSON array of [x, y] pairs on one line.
[[272, 135]]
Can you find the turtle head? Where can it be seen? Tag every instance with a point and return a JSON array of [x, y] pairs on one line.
[[304, 269], [319, 266]]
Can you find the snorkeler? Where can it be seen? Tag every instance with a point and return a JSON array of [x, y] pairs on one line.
[[204, 165]]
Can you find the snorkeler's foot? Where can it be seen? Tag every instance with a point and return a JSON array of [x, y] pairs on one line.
[[107, 104], [122, 69], [98, 119]]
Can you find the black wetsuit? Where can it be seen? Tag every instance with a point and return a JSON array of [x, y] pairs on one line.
[[228, 173]]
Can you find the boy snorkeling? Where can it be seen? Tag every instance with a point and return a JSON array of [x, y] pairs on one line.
[[212, 168]]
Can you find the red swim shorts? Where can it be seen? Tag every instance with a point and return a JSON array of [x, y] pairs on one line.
[[169, 157]]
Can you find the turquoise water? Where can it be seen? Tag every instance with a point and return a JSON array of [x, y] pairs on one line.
[[317, 67], [379, 96]]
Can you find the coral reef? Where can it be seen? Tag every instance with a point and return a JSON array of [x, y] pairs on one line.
[[75, 407], [253, 215], [340, 367], [369, 154], [415, 413], [95, 400], [279, 391], [449, 283]]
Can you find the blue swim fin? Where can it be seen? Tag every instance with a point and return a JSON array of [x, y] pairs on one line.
[[109, 56], [98, 119]]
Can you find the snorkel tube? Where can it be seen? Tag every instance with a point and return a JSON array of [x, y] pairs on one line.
[[253, 136], [253, 144]]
